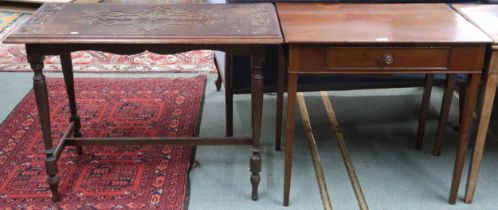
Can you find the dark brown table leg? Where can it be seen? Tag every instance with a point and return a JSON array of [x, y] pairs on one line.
[[463, 137], [257, 65], [228, 94], [445, 112], [41, 95], [289, 142], [280, 97], [424, 110], [67, 70]]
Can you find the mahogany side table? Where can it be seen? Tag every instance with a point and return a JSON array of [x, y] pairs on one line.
[[486, 18], [59, 29], [381, 39]]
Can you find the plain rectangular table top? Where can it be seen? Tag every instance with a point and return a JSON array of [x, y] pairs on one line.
[[375, 23], [151, 24], [484, 16]]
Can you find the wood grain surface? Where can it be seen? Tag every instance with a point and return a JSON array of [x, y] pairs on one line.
[[375, 23]]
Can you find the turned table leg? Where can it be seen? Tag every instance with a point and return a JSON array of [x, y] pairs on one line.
[[67, 70], [257, 64], [41, 96], [463, 137]]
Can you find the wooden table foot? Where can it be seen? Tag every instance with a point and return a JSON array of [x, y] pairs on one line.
[[255, 165], [53, 180]]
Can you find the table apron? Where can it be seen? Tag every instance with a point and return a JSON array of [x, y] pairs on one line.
[[130, 49]]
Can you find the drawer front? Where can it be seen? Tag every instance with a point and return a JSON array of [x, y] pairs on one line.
[[386, 58], [323, 59], [329, 59]]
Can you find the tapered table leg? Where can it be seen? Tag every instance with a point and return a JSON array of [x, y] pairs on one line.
[[463, 138], [445, 112], [41, 96], [482, 127], [424, 110], [257, 65], [67, 70], [289, 142]]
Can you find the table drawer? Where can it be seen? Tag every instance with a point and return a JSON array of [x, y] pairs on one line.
[[323, 59], [386, 58]]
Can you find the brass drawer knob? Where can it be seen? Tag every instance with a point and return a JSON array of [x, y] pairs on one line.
[[388, 58]]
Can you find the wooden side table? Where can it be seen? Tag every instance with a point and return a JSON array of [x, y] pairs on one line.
[[381, 39], [486, 18], [59, 29]]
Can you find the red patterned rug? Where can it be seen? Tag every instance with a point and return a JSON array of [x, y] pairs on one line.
[[147, 177], [13, 59]]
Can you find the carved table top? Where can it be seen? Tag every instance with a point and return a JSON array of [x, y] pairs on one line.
[[151, 24], [375, 23], [484, 16]]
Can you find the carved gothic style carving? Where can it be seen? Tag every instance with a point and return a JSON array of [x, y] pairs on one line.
[[154, 18], [78, 23], [44, 15]]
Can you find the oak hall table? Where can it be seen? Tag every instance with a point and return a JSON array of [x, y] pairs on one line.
[[381, 39], [59, 29], [486, 18]]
